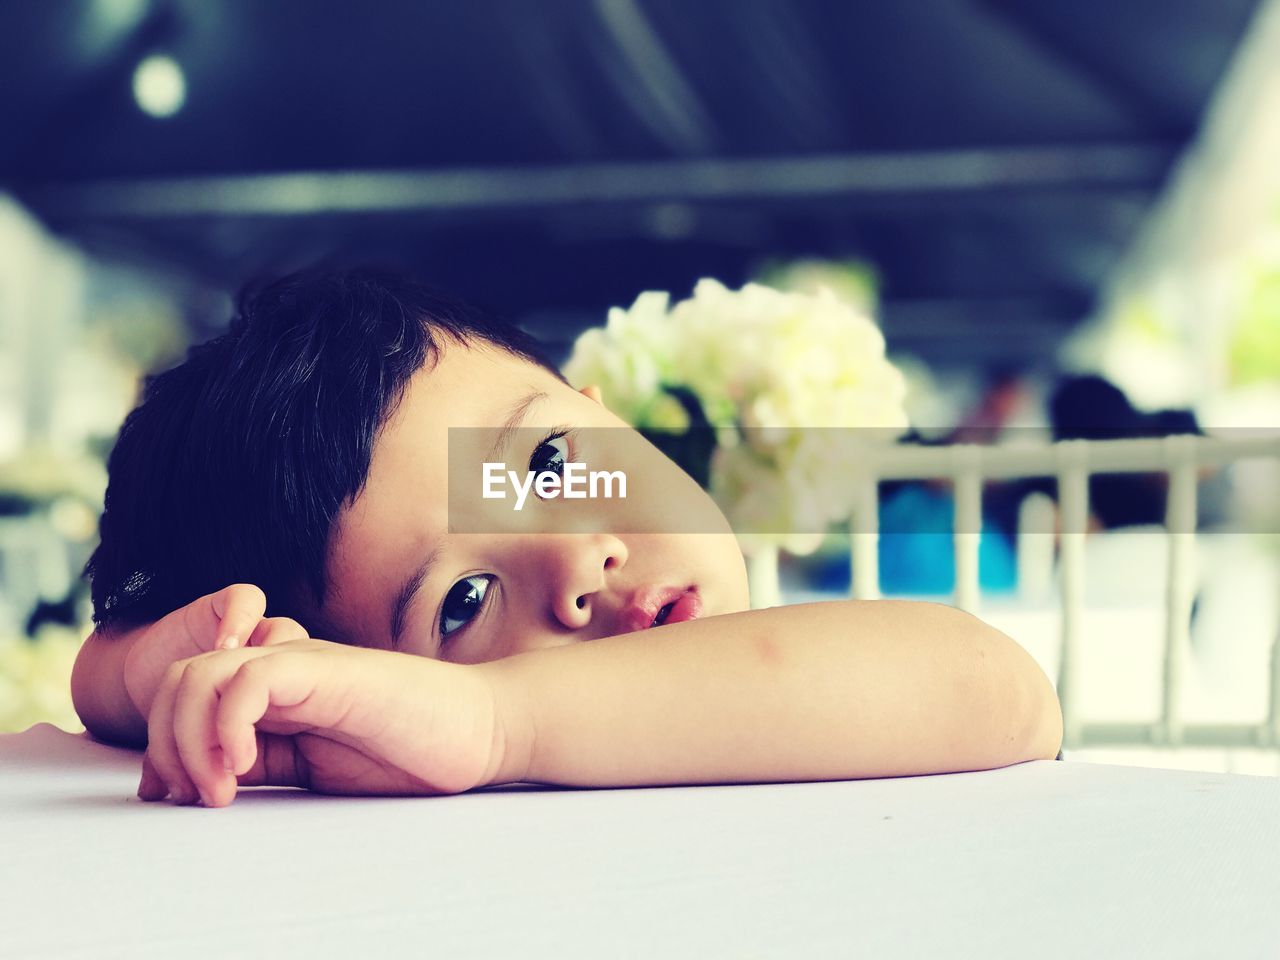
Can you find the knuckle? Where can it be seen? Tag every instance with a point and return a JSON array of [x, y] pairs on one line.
[[201, 667], [190, 679], [253, 671], [280, 629]]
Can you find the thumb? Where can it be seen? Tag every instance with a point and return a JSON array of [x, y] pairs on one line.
[[277, 764], [238, 609]]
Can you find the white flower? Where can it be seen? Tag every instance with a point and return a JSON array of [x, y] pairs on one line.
[[803, 375], [35, 680], [630, 361]]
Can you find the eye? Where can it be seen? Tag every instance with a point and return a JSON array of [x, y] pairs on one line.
[[463, 601], [550, 455]]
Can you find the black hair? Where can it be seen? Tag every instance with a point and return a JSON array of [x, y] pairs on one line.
[[1093, 408], [236, 463]]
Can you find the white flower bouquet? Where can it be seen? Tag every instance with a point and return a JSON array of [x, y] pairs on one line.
[[35, 679], [770, 373]]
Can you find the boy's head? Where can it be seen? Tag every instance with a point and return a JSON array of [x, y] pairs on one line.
[[306, 451]]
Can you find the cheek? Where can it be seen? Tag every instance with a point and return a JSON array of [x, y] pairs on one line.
[[736, 574], [722, 554], [661, 497]]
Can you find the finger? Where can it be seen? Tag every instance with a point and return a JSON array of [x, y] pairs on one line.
[[278, 763], [238, 608], [194, 730], [276, 630], [151, 787], [242, 702], [269, 683], [161, 746]]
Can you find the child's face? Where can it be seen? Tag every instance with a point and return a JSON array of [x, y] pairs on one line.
[[490, 595]]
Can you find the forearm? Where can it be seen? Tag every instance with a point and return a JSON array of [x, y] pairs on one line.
[[827, 691], [99, 693]]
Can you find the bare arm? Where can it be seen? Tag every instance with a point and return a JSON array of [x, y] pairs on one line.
[[117, 673], [828, 691], [824, 691]]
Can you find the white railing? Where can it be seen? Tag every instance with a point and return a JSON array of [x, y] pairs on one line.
[[1072, 462]]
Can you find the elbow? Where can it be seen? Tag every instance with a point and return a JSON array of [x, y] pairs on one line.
[[1044, 720], [81, 681], [96, 675], [1040, 713], [1022, 696], [86, 688]]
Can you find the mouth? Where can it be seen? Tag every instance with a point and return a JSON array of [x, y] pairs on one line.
[[656, 606], [687, 606], [661, 618]]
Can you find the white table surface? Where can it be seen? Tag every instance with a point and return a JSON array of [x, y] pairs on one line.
[[1040, 860]]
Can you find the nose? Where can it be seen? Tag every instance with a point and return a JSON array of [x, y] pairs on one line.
[[579, 567]]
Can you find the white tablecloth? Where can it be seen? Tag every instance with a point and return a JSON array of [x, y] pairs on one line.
[[1040, 860]]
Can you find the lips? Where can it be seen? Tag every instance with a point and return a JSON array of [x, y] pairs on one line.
[[656, 606]]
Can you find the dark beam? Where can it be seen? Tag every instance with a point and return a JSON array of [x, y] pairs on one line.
[[944, 172]]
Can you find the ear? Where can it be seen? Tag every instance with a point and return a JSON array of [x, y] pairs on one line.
[[593, 393]]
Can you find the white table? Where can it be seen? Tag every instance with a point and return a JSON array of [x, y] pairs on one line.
[[1042, 860]]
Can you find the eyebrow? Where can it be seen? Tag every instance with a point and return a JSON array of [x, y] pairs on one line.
[[519, 410], [409, 589], [406, 593]]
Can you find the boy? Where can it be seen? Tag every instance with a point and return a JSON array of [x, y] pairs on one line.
[[305, 459]]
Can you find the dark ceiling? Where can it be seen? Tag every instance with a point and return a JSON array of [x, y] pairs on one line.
[[991, 158]]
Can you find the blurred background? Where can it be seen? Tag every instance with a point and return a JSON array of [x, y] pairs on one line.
[[1046, 208]]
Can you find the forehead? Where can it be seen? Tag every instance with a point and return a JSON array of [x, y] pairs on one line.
[[403, 508]]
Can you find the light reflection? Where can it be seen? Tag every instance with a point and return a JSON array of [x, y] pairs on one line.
[[159, 86]]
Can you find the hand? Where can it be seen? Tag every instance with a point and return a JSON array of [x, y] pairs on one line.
[[323, 716], [232, 617]]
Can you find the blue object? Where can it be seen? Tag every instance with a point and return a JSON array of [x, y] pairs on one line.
[[917, 556]]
